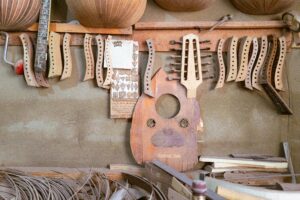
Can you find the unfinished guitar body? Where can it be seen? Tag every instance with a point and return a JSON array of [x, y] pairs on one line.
[[170, 140]]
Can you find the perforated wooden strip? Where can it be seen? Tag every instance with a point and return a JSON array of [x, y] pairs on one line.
[[55, 55], [41, 79], [254, 55], [260, 63], [243, 58], [191, 69], [109, 72], [222, 68], [28, 61], [280, 64], [232, 59], [89, 58], [68, 66], [149, 69], [99, 63]]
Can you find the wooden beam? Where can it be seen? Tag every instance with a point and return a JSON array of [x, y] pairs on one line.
[[77, 28]]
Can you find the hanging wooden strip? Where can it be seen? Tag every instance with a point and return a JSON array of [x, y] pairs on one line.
[[260, 63], [243, 58], [253, 59], [280, 64], [55, 55], [266, 78], [89, 58], [100, 60], [68, 66], [232, 59], [41, 79], [191, 67], [149, 70], [28, 60], [109, 72], [222, 68]]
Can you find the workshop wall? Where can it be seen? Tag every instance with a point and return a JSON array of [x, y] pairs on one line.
[[68, 125]]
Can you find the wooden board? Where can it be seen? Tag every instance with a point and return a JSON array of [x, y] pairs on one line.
[[155, 137]]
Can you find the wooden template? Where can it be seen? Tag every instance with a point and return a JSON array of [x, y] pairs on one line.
[[89, 58], [100, 60], [149, 68], [221, 65], [56, 67], [107, 56], [260, 63], [252, 62], [68, 66], [278, 76], [232, 59], [28, 59], [172, 141], [244, 51]]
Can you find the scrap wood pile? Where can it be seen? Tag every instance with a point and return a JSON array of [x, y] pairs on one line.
[[253, 170], [19, 185]]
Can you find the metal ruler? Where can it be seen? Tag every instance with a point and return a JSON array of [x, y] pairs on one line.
[[40, 64]]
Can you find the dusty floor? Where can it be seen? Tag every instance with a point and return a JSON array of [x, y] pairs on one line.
[[68, 125]]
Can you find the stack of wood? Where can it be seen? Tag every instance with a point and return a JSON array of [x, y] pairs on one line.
[[254, 170]]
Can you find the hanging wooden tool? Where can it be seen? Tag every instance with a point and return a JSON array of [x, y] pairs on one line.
[[40, 64], [109, 72], [171, 140], [243, 58], [232, 59], [100, 59], [28, 58], [221, 64], [89, 58], [278, 76], [252, 62], [68, 66], [265, 78], [56, 67], [260, 62], [149, 69]]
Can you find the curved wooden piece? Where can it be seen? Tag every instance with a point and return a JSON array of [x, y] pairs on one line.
[[107, 13], [280, 64], [100, 58], [184, 6], [41, 79], [109, 72], [271, 58], [149, 70], [254, 55], [89, 58], [260, 63], [18, 14], [262, 7], [164, 139], [28, 60], [243, 58], [232, 59], [55, 55], [68, 66], [191, 68], [222, 68]]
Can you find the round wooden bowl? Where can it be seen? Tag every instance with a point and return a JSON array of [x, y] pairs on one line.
[[184, 5], [18, 14], [107, 13], [262, 7]]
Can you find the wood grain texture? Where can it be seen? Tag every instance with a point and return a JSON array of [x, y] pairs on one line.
[[262, 7], [18, 14], [184, 5], [107, 13], [181, 157]]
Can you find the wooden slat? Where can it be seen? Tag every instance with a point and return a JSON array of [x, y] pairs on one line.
[[77, 28]]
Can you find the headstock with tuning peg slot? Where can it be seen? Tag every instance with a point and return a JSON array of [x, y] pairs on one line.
[[191, 70]]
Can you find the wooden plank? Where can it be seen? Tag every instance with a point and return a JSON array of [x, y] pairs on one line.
[[234, 195], [254, 163], [77, 28], [209, 24]]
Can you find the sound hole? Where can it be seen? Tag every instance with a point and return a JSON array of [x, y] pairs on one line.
[[167, 106]]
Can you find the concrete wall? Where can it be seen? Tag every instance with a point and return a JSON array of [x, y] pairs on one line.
[[68, 126]]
